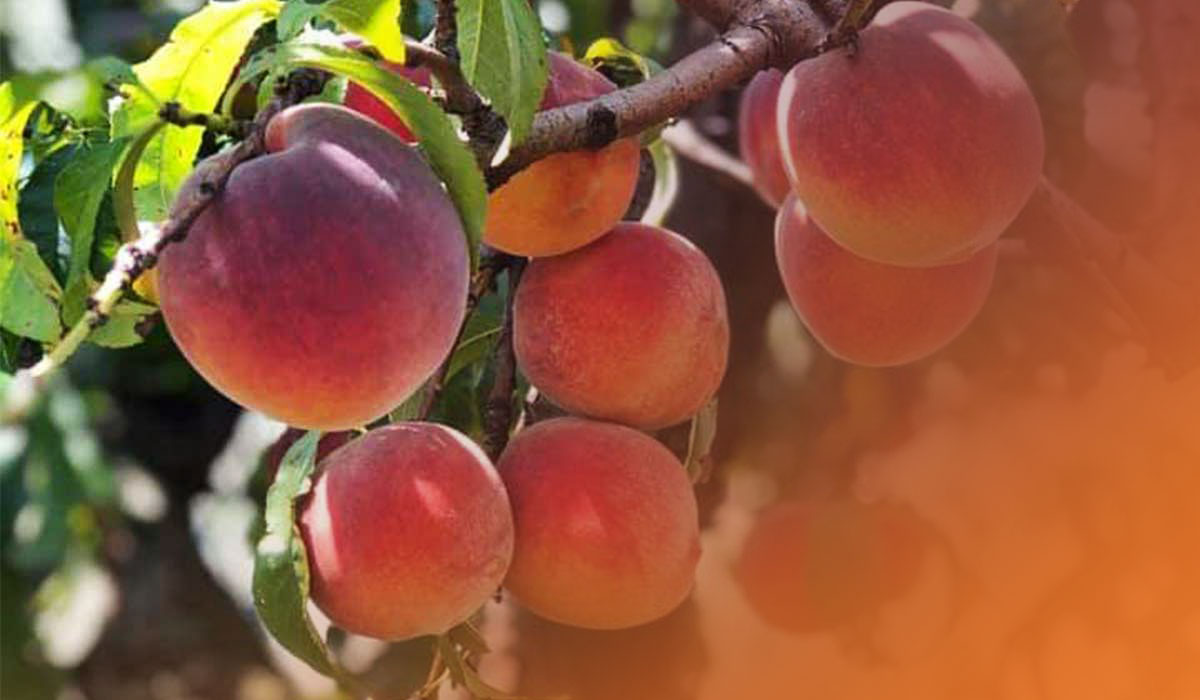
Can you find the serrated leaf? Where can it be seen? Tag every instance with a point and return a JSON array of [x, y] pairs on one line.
[[281, 577], [122, 328], [666, 183], [435, 133], [503, 57], [192, 69], [29, 294], [79, 192], [376, 21]]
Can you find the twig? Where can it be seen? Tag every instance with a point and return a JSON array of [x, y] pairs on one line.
[[135, 257], [497, 418], [177, 114], [688, 142], [445, 29]]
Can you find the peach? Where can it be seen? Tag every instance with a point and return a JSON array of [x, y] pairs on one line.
[[607, 534], [565, 200], [362, 101], [631, 328], [918, 150], [408, 532], [808, 567], [758, 136], [327, 281], [870, 313]]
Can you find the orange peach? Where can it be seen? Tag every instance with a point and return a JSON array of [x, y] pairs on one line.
[[631, 328], [565, 200], [606, 526], [408, 532], [918, 150], [870, 313], [329, 278], [758, 136]]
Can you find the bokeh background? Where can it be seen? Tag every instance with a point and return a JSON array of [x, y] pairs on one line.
[[1041, 475]]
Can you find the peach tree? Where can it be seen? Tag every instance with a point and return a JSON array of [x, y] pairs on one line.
[[431, 241]]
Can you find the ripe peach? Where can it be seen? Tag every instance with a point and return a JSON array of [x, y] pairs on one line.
[[918, 150], [328, 279], [758, 136], [870, 313], [807, 567], [408, 531], [566, 200], [631, 328], [360, 100], [607, 534]]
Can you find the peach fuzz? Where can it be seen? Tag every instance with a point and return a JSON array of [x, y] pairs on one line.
[[565, 200], [758, 136], [408, 532], [606, 526], [918, 150], [326, 281], [631, 328], [870, 313]]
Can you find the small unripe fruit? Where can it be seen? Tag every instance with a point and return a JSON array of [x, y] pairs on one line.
[[606, 527], [870, 313], [565, 200], [408, 532], [921, 148], [327, 280], [631, 328], [758, 136]]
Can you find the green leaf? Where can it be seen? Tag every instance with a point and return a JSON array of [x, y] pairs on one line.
[[504, 58], [376, 21], [281, 578], [192, 69], [39, 220], [435, 133], [79, 192], [29, 294], [617, 62], [123, 327], [666, 183]]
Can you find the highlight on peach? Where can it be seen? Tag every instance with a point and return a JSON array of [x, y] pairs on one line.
[[663, 350]]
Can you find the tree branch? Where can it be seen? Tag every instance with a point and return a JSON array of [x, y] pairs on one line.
[[445, 29], [497, 418], [136, 257]]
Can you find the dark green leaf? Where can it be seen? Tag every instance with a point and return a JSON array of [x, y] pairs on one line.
[[79, 192], [504, 58], [39, 220], [281, 578]]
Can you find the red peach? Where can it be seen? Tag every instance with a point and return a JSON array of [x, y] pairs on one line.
[[918, 150], [606, 526], [758, 136], [408, 532], [870, 313], [631, 328]]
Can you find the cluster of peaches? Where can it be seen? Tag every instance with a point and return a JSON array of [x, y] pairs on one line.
[[329, 280], [895, 169]]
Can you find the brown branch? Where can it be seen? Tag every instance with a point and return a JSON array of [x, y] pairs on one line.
[[757, 35], [445, 29], [497, 418]]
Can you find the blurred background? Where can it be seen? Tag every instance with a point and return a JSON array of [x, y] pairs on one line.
[[1014, 518]]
